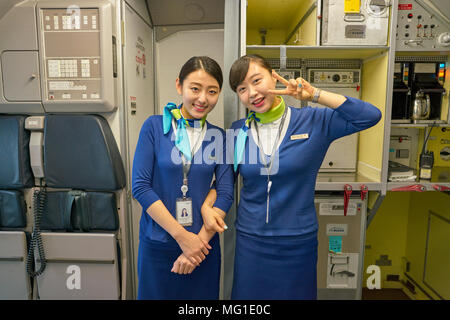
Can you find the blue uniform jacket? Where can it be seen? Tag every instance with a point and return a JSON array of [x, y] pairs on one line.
[[291, 208], [158, 175]]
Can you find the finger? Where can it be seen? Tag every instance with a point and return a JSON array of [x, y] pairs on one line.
[[293, 84], [199, 258], [213, 226], [182, 268], [187, 268], [175, 267], [202, 256], [221, 223], [191, 268], [299, 89], [281, 91], [305, 83], [280, 78], [206, 245], [218, 227], [194, 261]]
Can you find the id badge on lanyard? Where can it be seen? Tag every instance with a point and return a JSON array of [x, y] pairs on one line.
[[184, 204], [184, 214], [184, 211]]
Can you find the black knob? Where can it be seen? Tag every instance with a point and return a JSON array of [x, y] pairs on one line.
[[407, 26], [330, 163], [410, 15], [336, 78]]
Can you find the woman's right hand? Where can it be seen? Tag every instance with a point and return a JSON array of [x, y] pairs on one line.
[[298, 88], [194, 248]]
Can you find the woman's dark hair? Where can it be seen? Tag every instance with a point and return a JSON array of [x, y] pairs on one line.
[[240, 67], [207, 64]]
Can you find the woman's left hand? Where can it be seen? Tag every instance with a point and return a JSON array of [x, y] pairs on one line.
[[182, 265], [298, 88], [213, 219]]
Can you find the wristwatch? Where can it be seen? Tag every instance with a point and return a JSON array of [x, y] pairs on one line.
[[316, 95]]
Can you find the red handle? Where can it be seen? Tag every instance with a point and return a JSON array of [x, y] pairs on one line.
[[364, 191], [414, 187], [440, 188], [347, 192]]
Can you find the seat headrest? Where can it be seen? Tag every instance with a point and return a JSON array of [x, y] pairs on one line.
[[15, 170], [80, 152]]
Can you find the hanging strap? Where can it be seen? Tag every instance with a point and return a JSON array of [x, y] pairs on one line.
[[68, 209], [82, 203], [1, 210], [82, 209]]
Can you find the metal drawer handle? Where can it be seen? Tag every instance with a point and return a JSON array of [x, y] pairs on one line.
[[354, 17], [413, 41]]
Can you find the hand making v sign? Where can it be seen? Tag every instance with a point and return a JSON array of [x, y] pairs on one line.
[[303, 90], [298, 88]]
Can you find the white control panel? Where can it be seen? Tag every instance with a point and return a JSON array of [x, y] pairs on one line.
[[334, 77], [77, 56], [422, 26]]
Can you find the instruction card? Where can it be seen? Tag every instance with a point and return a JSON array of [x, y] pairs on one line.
[[335, 244]]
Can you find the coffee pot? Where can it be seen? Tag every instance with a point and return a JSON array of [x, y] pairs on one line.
[[421, 106]]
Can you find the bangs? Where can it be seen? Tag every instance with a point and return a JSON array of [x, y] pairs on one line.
[[239, 69], [238, 72]]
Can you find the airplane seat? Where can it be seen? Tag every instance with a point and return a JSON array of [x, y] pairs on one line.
[[83, 169], [80, 152], [15, 175]]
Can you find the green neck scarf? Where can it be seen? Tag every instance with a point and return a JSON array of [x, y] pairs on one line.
[[273, 114], [189, 122], [266, 117]]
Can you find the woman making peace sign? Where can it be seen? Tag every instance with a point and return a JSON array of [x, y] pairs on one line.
[[276, 224]]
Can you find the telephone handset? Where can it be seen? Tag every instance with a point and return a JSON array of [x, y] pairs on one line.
[[39, 199], [36, 125]]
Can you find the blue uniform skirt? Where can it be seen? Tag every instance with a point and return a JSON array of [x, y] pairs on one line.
[[156, 282], [271, 268]]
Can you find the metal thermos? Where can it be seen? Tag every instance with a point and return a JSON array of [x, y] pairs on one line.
[[421, 107]]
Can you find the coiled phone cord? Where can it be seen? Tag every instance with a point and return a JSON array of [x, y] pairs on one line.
[[39, 199]]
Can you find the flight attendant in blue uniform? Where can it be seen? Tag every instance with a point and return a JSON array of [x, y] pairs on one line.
[[278, 153], [176, 156]]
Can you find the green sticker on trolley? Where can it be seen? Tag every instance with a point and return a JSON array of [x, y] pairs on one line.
[[335, 244]]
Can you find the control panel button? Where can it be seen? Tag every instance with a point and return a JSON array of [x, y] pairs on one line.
[[336, 78]]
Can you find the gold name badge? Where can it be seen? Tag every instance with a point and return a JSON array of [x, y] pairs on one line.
[[299, 136]]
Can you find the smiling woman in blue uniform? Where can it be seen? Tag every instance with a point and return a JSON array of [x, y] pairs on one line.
[[178, 258], [276, 224]]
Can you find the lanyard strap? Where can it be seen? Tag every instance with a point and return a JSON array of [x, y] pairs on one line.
[[269, 166], [187, 165], [274, 147]]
